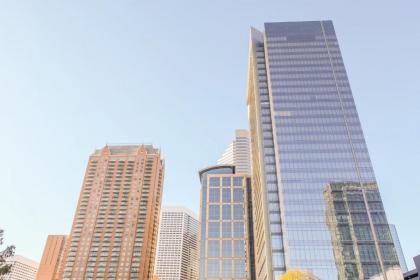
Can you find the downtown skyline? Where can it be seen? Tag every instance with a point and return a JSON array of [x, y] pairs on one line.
[[67, 202]]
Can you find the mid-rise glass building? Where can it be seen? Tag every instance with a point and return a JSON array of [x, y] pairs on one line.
[[226, 225], [305, 136]]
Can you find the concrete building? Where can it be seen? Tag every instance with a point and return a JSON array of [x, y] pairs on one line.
[[177, 250], [52, 258], [238, 152], [305, 134], [398, 248], [114, 232], [413, 274], [22, 269], [226, 240]]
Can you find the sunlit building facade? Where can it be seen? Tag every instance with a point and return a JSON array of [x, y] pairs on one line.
[[226, 225], [51, 264], [238, 152], [305, 135], [114, 232], [177, 250], [22, 269]]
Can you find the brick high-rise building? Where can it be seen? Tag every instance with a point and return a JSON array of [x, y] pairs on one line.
[[52, 258], [115, 227]]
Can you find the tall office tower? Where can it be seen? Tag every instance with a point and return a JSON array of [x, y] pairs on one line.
[[22, 269], [52, 258], [225, 236], [239, 152], [398, 248], [305, 135], [114, 231], [177, 250]]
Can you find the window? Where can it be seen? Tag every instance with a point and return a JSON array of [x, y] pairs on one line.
[[362, 232], [238, 230], [278, 260], [226, 195], [226, 230], [239, 248], [237, 181], [227, 268], [238, 212], [214, 195], [226, 181], [213, 268], [214, 181], [276, 242], [226, 248], [213, 248], [214, 230], [238, 195], [226, 212], [214, 212], [239, 269]]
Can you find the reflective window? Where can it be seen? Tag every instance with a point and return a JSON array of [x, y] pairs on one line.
[[227, 212], [214, 195], [237, 181], [213, 268], [239, 248], [238, 195], [214, 181], [213, 248], [226, 181], [214, 212], [227, 248], [239, 271], [226, 195], [226, 230], [213, 230], [238, 212], [227, 268], [238, 229]]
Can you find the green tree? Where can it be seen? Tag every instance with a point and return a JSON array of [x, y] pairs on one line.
[[6, 253]]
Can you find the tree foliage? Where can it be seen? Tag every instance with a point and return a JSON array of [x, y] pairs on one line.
[[298, 275], [6, 253]]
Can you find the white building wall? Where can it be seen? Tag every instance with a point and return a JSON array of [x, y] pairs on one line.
[[22, 269], [177, 249], [238, 152]]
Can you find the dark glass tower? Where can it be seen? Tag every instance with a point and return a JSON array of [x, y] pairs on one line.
[[306, 137]]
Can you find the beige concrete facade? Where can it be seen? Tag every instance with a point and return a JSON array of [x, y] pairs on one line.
[[52, 258], [114, 232]]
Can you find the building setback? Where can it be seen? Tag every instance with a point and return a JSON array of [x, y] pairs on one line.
[[398, 248], [305, 135], [52, 258], [114, 231], [238, 152], [226, 225], [177, 250], [22, 269]]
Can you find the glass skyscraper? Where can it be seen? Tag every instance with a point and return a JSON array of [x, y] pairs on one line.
[[305, 137]]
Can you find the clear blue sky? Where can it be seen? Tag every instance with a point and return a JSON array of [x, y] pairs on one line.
[[75, 75]]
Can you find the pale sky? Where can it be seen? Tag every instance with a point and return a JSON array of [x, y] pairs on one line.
[[75, 75]]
